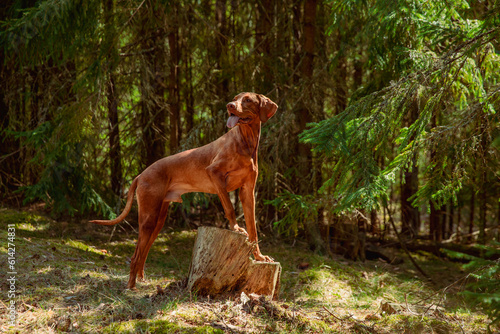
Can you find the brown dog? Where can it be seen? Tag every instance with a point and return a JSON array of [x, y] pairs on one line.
[[224, 165]]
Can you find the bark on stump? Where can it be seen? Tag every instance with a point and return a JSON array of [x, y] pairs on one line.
[[221, 264]]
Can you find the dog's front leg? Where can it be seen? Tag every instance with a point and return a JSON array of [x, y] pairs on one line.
[[218, 179], [247, 197]]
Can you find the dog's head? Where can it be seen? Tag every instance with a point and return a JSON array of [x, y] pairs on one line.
[[249, 107]]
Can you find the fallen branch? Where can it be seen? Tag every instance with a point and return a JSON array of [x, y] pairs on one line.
[[455, 236], [331, 313], [403, 245]]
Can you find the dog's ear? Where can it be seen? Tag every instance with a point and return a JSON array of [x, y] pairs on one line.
[[267, 108]]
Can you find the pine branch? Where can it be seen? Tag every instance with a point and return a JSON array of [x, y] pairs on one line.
[[359, 135], [54, 29]]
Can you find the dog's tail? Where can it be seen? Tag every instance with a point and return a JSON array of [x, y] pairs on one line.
[[128, 206]]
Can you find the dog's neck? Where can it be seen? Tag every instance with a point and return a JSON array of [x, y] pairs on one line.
[[250, 135]]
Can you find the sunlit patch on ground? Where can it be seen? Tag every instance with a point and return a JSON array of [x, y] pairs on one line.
[[71, 278]]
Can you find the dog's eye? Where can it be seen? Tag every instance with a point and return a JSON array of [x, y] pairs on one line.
[[248, 100]]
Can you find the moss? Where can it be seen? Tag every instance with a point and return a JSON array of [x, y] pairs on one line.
[[60, 269], [17, 217], [27, 223], [158, 327], [418, 324]]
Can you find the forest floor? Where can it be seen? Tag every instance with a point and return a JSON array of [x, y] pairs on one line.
[[71, 278]]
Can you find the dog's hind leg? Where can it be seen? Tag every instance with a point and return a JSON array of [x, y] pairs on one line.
[[149, 213], [152, 237]]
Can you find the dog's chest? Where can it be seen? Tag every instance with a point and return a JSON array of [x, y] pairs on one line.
[[237, 177]]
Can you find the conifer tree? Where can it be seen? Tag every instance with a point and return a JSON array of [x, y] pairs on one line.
[[451, 71]]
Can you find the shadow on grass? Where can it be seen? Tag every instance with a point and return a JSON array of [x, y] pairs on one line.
[[71, 271]]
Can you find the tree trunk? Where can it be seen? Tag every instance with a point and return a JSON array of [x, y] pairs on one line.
[[483, 197], [221, 264], [11, 166], [173, 101], [435, 219], [471, 214], [114, 138], [435, 223], [482, 213], [222, 84], [189, 91], [498, 222], [263, 45], [304, 113], [374, 222], [410, 216], [451, 218], [304, 159], [459, 221], [114, 131], [340, 75], [152, 87], [348, 239], [297, 48]]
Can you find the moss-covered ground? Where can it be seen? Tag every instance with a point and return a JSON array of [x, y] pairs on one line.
[[70, 276]]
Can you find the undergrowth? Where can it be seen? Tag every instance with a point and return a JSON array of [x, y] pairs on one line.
[[71, 278]]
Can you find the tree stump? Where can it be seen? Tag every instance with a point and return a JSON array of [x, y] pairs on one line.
[[221, 264]]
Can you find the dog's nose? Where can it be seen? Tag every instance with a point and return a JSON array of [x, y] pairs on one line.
[[231, 105]]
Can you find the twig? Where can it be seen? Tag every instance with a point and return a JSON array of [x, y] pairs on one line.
[[331, 313], [359, 213], [111, 235], [3, 157], [133, 14], [30, 307], [403, 245], [221, 318], [349, 317], [408, 307], [126, 222], [456, 235], [450, 285]]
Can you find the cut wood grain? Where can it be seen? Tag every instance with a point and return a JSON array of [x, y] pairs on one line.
[[221, 264]]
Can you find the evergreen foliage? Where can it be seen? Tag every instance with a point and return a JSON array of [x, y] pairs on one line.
[[52, 30], [92, 92], [300, 210], [64, 184], [482, 285], [454, 84], [95, 91], [49, 112]]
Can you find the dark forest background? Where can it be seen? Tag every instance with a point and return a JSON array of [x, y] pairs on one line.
[[388, 110]]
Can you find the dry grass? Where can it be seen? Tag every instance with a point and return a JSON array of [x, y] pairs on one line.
[[71, 278]]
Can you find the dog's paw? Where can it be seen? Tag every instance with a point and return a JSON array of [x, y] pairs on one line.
[[263, 258], [241, 230]]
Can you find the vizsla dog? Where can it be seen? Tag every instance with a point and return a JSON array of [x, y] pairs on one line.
[[224, 165]]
